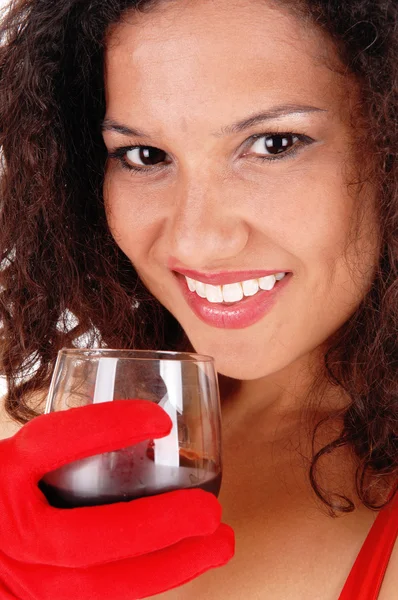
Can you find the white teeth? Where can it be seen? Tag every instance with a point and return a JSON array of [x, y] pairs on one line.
[[267, 283], [201, 289], [191, 284], [232, 292], [214, 293], [251, 287]]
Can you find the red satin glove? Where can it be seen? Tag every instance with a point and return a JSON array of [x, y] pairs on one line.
[[122, 551]]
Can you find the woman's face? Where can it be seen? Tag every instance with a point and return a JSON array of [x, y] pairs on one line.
[[189, 191]]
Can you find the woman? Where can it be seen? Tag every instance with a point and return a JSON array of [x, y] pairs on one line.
[[221, 177]]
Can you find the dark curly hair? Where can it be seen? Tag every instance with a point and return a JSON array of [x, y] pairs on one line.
[[62, 276]]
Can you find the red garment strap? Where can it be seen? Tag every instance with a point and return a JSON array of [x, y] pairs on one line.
[[366, 576]]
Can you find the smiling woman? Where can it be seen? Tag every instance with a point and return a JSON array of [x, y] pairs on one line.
[[223, 190], [221, 178]]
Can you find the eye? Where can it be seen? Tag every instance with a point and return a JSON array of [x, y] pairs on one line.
[[144, 156], [140, 158], [275, 144]]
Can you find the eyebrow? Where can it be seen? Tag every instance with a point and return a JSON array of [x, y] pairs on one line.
[[273, 113], [111, 125]]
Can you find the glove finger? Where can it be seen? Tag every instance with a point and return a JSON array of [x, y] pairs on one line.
[[129, 579], [50, 441], [116, 531]]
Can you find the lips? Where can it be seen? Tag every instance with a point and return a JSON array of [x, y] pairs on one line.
[[240, 314], [226, 278]]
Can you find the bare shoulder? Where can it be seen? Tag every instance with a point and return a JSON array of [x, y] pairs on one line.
[[390, 584], [8, 426]]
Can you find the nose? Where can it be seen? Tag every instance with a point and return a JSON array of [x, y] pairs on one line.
[[205, 229]]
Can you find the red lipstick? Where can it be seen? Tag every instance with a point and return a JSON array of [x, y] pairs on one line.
[[223, 278]]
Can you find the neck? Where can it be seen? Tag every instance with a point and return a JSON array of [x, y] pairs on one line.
[[298, 391]]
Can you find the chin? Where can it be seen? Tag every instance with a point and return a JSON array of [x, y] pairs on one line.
[[241, 372], [248, 361], [241, 363]]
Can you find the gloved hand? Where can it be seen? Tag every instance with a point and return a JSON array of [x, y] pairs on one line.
[[122, 551]]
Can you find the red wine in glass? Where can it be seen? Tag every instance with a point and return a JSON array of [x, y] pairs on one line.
[[183, 384], [123, 480]]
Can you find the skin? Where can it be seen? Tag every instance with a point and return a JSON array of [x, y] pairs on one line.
[[180, 73]]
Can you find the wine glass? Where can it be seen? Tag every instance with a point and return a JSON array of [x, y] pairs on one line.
[[184, 384]]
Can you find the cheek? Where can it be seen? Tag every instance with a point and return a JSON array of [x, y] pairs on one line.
[[313, 217], [311, 212], [132, 218], [308, 217]]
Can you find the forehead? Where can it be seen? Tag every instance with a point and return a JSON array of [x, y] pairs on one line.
[[193, 54]]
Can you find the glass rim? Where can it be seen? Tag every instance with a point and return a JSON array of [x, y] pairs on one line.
[[136, 354]]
